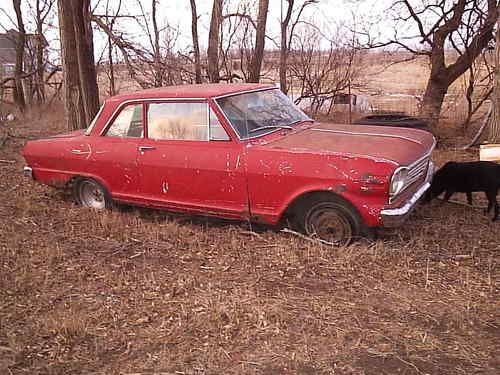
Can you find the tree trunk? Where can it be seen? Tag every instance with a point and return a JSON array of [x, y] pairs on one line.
[[112, 87], [85, 52], [40, 49], [196, 46], [18, 94], [260, 37], [157, 66], [283, 58], [433, 101], [494, 127], [284, 47], [73, 102], [213, 42], [442, 75]]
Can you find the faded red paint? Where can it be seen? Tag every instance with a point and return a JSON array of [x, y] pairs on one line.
[[240, 179]]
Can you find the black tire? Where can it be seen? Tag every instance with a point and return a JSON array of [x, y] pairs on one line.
[[397, 120], [328, 218], [90, 193]]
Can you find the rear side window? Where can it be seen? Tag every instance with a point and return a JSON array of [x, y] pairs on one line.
[[178, 121], [128, 123]]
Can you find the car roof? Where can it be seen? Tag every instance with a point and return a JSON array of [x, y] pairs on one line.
[[204, 90]]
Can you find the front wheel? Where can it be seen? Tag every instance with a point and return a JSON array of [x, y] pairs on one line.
[[330, 220], [89, 193]]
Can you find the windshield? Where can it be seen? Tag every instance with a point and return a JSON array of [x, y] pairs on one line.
[[261, 112]]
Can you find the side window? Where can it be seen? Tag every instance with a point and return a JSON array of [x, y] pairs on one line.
[[178, 121], [128, 123], [217, 132]]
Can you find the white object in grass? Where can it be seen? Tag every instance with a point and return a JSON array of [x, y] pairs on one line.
[[489, 152]]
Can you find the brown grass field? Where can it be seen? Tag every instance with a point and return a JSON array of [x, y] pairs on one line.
[[138, 291]]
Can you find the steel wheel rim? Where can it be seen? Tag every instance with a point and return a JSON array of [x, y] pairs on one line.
[[329, 226], [92, 195]]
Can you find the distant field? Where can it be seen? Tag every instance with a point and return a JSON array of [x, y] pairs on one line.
[[389, 86]]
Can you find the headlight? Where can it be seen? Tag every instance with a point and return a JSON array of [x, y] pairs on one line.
[[398, 180]]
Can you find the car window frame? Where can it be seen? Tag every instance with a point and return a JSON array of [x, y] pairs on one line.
[[226, 119], [212, 105], [117, 113], [209, 108], [90, 128], [173, 101]]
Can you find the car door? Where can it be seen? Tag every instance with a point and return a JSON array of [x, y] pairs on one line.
[[188, 162], [114, 157]]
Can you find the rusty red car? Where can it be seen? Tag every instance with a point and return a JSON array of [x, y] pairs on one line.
[[239, 151]]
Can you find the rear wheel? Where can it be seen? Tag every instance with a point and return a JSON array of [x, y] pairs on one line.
[[329, 219], [89, 193]]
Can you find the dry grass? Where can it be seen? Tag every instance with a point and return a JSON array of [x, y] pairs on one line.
[[138, 291]]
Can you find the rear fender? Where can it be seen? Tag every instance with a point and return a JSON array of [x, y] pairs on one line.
[[63, 179]]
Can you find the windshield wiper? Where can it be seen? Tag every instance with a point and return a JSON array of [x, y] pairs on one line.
[[270, 127], [297, 121]]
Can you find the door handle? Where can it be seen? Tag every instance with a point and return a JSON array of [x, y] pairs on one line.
[[146, 148]]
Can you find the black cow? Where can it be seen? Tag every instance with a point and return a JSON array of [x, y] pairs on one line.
[[467, 178]]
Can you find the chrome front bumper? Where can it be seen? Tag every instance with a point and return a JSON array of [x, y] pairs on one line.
[[395, 217], [28, 172]]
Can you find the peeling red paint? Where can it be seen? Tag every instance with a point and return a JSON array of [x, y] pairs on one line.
[[256, 178]]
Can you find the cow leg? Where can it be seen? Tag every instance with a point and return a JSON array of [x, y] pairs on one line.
[[492, 203], [448, 194], [469, 197]]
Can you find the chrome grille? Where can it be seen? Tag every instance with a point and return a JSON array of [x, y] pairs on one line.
[[416, 170]]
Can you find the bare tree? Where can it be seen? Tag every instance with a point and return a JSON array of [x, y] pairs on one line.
[[236, 49], [494, 126], [464, 25], [86, 64], [73, 103], [158, 76], [106, 23], [196, 47], [156, 64], [42, 10], [213, 42], [81, 95], [260, 36], [478, 86], [125, 47], [19, 99], [319, 72], [111, 68], [288, 25]]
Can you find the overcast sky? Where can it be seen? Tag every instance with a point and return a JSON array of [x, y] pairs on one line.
[[177, 13]]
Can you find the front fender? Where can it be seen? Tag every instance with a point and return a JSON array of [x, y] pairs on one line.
[[368, 203]]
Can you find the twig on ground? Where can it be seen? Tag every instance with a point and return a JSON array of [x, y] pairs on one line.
[[304, 237], [408, 363], [3, 140], [251, 233], [462, 203], [7, 161]]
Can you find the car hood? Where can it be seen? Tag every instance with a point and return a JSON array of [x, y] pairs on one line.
[[400, 146]]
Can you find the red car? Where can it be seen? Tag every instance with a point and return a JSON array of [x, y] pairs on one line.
[[239, 151]]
